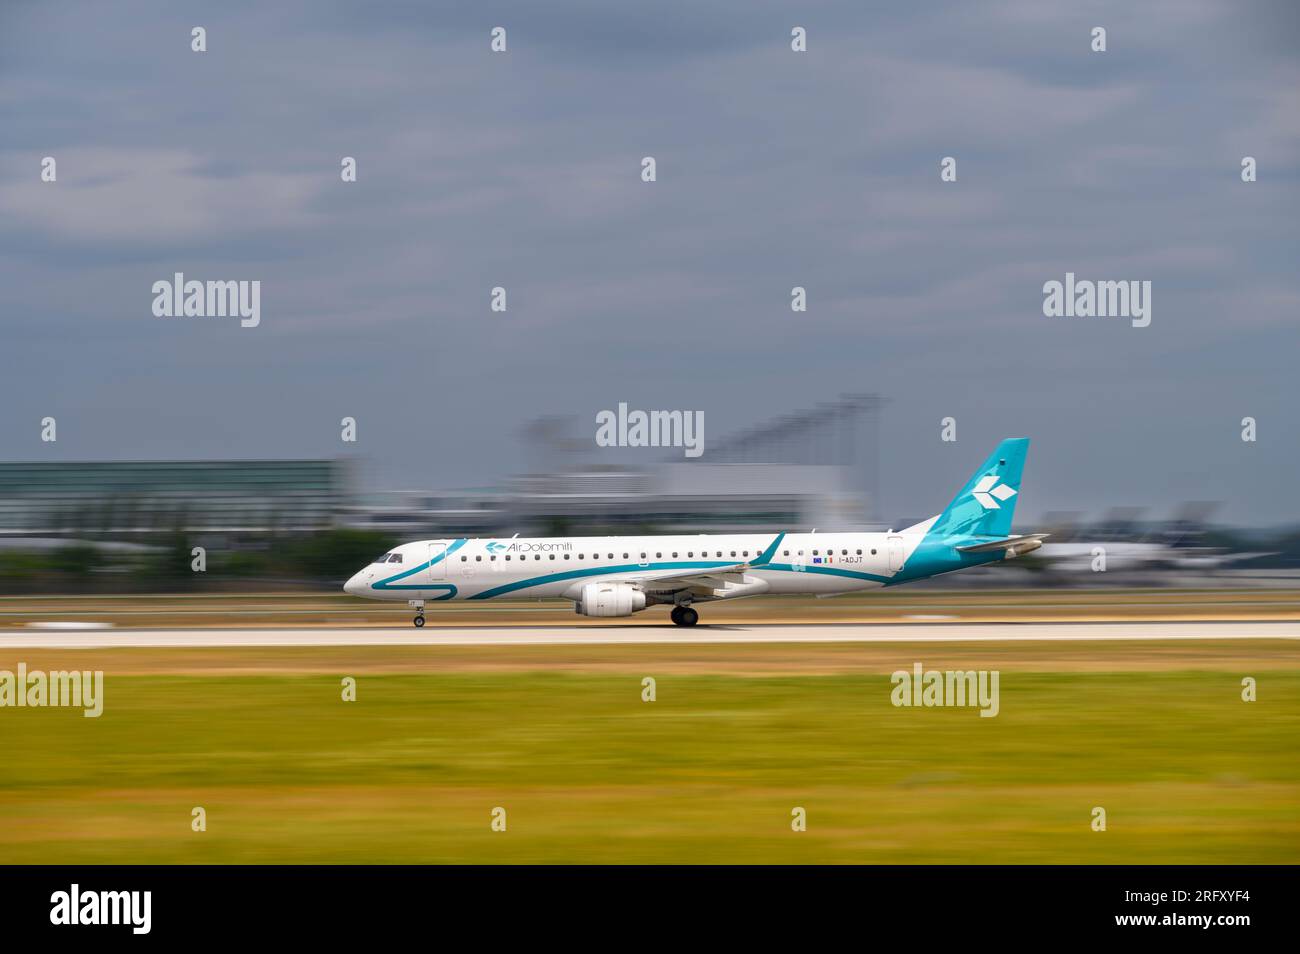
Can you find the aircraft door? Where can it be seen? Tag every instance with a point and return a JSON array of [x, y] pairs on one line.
[[437, 569], [895, 553]]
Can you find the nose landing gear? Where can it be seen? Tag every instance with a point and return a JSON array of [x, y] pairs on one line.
[[684, 616], [418, 606]]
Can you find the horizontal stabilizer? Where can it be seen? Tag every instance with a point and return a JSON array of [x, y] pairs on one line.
[[1017, 544]]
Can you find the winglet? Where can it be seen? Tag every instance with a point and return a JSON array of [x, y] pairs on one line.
[[766, 556]]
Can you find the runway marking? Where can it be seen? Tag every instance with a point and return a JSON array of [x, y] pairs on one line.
[[658, 636], [68, 625]]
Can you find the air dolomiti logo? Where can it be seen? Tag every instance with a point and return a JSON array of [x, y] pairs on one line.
[[985, 492], [527, 547]]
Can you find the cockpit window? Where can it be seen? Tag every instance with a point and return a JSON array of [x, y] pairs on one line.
[[395, 558], [383, 558]]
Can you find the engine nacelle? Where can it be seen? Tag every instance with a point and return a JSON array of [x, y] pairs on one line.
[[610, 599]]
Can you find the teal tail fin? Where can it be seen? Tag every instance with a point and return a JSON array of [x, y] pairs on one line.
[[984, 506]]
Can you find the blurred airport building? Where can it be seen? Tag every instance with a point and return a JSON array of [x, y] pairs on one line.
[[813, 468], [137, 500]]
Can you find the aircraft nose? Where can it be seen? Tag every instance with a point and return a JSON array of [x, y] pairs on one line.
[[354, 586]]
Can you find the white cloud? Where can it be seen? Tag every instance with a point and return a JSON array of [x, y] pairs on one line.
[[150, 196]]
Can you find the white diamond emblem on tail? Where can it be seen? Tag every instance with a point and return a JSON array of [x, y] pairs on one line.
[[984, 492]]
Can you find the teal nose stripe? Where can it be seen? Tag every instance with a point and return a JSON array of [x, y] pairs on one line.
[[391, 583]]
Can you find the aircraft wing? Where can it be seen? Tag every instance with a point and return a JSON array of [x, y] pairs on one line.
[[704, 582]]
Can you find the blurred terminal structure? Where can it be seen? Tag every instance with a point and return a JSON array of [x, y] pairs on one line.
[[813, 468], [136, 501]]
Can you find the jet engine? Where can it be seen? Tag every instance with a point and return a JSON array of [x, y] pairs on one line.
[[610, 599]]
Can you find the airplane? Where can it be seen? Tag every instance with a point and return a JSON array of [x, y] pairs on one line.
[[1128, 548], [619, 576]]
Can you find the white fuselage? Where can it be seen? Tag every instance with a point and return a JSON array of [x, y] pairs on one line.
[[559, 567]]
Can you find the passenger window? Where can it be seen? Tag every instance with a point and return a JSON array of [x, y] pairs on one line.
[[463, 559], [659, 556], [873, 552], [493, 558], [787, 552], [859, 553], [552, 556], [478, 559]]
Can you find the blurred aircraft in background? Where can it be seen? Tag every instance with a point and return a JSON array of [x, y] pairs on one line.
[[1122, 543]]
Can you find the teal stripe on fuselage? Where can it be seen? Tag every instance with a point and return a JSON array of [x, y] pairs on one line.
[[637, 567], [595, 571], [391, 582], [935, 556], [827, 571]]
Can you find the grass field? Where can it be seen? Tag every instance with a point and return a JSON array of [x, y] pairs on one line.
[[587, 772]]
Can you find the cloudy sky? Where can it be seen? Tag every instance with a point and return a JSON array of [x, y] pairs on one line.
[[775, 169]]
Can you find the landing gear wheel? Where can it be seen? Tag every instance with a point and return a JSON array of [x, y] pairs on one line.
[[419, 621], [684, 616]]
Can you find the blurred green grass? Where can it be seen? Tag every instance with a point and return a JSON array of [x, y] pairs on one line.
[[287, 772]]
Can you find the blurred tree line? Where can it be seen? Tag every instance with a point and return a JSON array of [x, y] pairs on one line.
[[323, 559]]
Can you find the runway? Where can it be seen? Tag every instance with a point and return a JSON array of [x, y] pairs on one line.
[[615, 635]]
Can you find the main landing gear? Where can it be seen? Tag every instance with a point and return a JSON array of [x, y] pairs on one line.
[[684, 616], [418, 605]]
